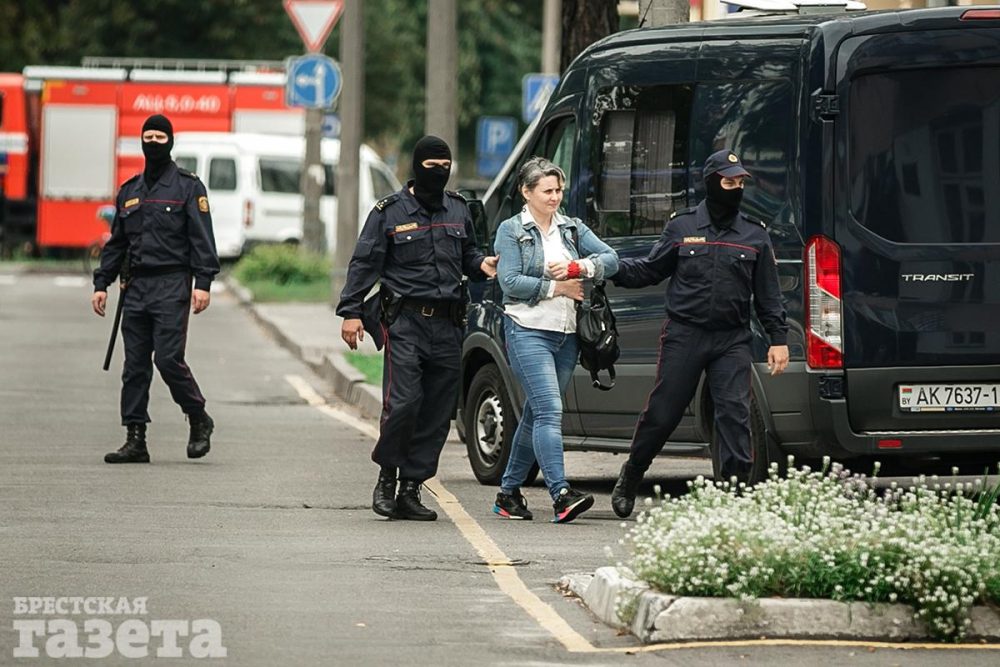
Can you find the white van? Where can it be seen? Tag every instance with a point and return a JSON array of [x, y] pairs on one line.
[[253, 185]]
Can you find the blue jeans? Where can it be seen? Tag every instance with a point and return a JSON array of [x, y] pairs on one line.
[[543, 363]]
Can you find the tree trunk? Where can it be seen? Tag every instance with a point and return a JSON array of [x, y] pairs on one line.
[[583, 23], [655, 13]]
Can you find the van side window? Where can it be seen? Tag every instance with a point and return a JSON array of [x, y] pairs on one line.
[[187, 162], [282, 175], [756, 119], [222, 174], [277, 175], [641, 158]]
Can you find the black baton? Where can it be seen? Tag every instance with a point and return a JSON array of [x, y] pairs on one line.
[[114, 327]]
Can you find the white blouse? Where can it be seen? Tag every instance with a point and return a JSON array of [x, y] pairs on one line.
[[552, 313]]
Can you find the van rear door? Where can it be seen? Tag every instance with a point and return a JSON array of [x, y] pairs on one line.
[[917, 220]]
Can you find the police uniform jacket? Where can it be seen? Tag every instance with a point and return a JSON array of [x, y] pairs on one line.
[[165, 228], [714, 272], [417, 254]]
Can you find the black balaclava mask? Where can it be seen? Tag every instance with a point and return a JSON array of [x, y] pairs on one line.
[[157, 154], [429, 182], [723, 205]]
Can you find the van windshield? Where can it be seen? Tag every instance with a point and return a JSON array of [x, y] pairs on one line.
[[924, 154], [282, 175]]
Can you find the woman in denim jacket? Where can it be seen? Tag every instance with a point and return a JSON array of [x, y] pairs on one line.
[[541, 274]]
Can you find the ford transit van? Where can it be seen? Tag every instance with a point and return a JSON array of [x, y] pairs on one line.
[[874, 143]]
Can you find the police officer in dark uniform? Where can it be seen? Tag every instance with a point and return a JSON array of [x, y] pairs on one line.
[[419, 242], [718, 261], [163, 230]]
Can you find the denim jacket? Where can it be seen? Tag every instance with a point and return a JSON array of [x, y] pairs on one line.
[[522, 258]]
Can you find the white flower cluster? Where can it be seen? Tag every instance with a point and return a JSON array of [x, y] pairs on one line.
[[827, 534]]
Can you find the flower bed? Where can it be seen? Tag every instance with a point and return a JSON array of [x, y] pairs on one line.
[[827, 534]]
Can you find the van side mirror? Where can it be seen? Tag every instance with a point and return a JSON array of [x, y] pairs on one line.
[[478, 212]]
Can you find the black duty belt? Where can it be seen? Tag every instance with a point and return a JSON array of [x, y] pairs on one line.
[[443, 309], [151, 271]]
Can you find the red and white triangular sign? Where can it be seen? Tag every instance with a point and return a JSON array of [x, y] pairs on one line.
[[314, 19]]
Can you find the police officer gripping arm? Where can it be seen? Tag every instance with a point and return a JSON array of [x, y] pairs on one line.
[[163, 227], [419, 242], [719, 261]]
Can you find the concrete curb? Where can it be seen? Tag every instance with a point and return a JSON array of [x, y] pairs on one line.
[[347, 381], [656, 617]]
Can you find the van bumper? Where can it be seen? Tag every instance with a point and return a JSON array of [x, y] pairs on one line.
[[831, 420]]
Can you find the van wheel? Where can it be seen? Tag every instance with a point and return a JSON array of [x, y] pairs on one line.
[[490, 424], [762, 451]]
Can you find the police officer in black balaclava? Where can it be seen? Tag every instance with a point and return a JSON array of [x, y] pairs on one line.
[[418, 242], [163, 229], [430, 180], [157, 153], [719, 261]]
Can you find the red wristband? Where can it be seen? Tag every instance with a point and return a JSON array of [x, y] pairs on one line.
[[573, 270]]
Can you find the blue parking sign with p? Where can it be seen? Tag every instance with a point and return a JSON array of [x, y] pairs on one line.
[[495, 137]]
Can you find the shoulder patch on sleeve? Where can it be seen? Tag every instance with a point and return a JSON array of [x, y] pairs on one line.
[[682, 211], [381, 204], [203, 204]]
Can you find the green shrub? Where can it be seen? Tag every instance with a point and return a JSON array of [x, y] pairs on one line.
[[281, 264], [828, 534]]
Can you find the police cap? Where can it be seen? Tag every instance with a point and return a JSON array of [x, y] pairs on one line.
[[724, 163]]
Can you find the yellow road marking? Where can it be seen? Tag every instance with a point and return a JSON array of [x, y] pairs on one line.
[[508, 580]]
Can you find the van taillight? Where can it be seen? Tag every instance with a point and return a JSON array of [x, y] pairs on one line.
[[247, 213], [824, 348], [972, 14]]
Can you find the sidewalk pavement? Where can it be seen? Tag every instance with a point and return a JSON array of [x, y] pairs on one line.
[[311, 332]]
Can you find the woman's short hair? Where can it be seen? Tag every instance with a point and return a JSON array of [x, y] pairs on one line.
[[536, 169]]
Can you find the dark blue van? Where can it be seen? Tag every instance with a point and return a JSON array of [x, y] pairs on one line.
[[874, 142]]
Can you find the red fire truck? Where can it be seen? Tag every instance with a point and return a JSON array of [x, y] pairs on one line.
[[71, 136]]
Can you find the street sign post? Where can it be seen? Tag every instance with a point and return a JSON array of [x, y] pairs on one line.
[[331, 126], [495, 136], [313, 81], [314, 19], [535, 92]]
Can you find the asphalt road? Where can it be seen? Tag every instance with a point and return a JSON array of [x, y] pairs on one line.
[[271, 535]]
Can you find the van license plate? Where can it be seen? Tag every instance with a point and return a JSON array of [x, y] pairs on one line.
[[949, 397]]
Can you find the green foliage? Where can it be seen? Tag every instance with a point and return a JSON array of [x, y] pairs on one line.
[[369, 364], [281, 265], [828, 534]]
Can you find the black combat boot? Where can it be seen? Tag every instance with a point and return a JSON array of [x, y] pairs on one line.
[[623, 495], [201, 431], [408, 503], [134, 450], [384, 495]]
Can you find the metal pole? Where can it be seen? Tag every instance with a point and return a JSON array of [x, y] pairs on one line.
[[352, 109], [312, 181], [442, 73], [551, 36]]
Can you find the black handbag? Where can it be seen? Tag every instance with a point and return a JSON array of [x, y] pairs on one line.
[[597, 332]]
